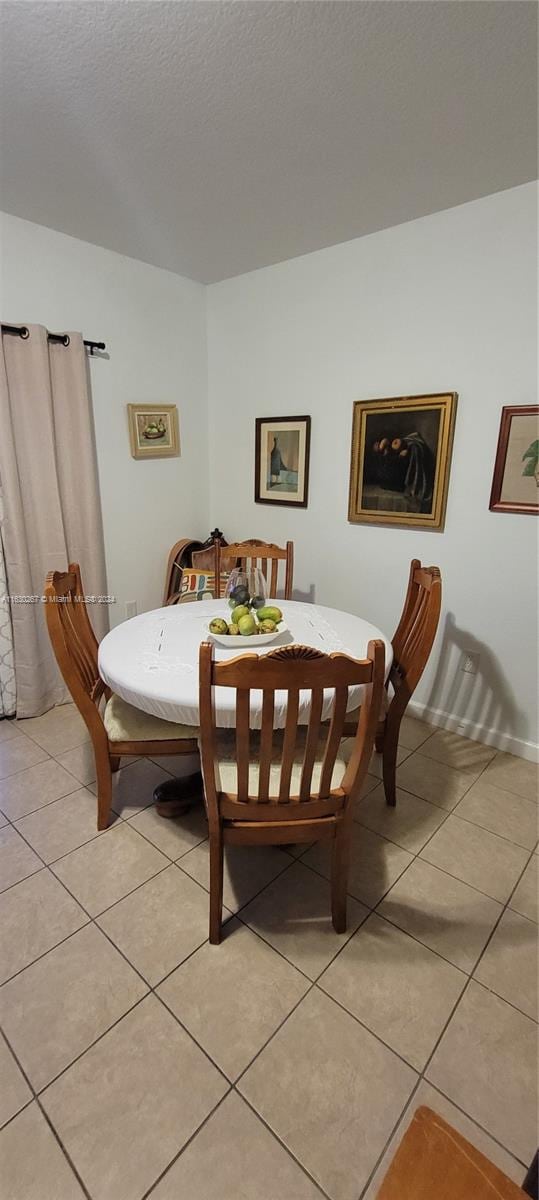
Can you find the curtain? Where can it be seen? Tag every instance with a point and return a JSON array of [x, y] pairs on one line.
[[7, 658], [52, 513]]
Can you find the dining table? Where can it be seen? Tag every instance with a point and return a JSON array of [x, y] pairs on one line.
[[151, 662]]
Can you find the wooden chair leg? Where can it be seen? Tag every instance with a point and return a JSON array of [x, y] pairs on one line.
[[216, 886], [389, 760], [104, 790], [340, 861], [115, 761]]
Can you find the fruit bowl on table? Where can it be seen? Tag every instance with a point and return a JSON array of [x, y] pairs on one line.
[[229, 640]]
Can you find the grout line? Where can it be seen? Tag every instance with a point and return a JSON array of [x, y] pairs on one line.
[[284, 1146], [185, 1145]]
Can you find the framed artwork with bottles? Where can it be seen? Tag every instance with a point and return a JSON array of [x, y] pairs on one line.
[[282, 446]]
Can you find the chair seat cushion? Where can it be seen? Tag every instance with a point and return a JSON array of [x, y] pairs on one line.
[[125, 723], [226, 768]]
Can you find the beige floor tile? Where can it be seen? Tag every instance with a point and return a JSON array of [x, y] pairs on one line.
[[486, 1064], [459, 752], [125, 1109], [247, 870], [17, 860], [14, 1093], [133, 786], [80, 762], [232, 997], [442, 912], [396, 987], [525, 897], [294, 915], [34, 916], [3, 820], [480, 858], [410, 824], [178, 764], [414, 732], [433, 781], [35, 787], [376, 763], [33, 1165], [157, 926], [106, 869], [232, 1157], [58, 730], [16, 754], [63, 825], [375, 864], [515, 774], [331, 1091], [173, 836], [509, 964], [73, 994], [501, 812], [433, 1099], [9, 729]]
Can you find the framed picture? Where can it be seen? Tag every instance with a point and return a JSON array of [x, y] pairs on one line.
[[401, 454], [282, 460], [515, 483], [153, 430]]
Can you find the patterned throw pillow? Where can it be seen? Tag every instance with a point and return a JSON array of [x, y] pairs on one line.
[[199, 585]]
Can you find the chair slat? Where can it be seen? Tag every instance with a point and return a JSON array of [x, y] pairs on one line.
[[334, 739], [311, 746], [289, 744], [243, 743], [273, 583], [266, 744]]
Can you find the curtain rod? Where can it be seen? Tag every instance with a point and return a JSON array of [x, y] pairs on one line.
[[60, 338]]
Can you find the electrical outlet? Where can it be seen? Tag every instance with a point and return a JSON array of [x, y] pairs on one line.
[[470, 662], [130, 608]]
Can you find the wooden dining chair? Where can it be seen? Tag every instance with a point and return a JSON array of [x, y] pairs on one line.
[[115, 727], [254, 553], [297, 785], [412, 644]]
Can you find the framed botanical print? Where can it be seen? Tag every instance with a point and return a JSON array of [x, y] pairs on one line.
[[401, 455], [153, 430], [515, 483], [282, 460]]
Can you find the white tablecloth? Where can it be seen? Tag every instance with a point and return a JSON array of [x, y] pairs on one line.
[[152, 660]]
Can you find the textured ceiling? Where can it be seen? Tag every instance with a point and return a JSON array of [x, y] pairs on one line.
[[215, 137]]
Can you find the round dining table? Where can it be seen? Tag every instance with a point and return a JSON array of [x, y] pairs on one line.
[[151, 661]]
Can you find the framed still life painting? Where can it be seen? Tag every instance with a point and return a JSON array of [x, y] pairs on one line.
[[282, 460], [515, 484], [401, 455], [153, 430]]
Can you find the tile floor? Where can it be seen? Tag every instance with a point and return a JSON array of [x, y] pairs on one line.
[[285, 1064]]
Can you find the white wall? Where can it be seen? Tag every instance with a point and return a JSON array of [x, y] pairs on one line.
[[440, 304], [154, 325]]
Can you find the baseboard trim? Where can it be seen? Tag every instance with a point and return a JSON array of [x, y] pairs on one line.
[[477, 733]]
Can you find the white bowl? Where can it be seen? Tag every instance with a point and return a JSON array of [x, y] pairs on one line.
[[247, 640]]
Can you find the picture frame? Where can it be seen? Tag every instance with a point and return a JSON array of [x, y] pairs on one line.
[[400, 460], [153, 430], [515, 481], [282, 449]]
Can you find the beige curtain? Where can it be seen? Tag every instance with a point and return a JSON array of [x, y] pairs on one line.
[[52, 513]]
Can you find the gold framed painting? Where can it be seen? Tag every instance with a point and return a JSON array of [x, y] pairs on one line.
[[515, 484], [153, 430], [401, 455]]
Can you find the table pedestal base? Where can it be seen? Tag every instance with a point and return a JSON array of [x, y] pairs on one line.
[[176, 796]]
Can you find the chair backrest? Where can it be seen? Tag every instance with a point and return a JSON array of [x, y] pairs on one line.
[[175, 563], [290, 669], [414, 636], [254, 553], [74, 642]]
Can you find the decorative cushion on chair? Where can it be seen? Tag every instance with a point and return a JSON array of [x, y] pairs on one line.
[[227, 778], [125, 723]]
